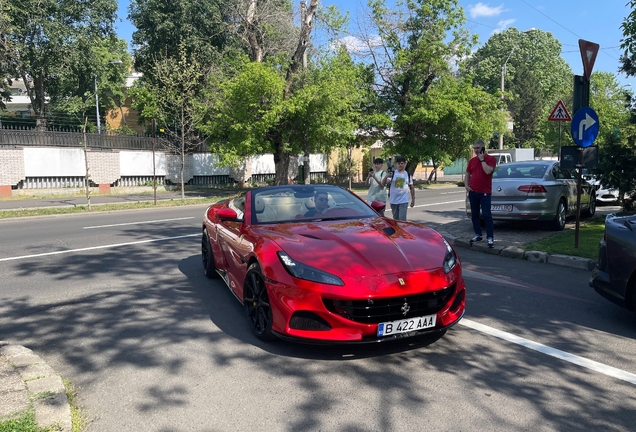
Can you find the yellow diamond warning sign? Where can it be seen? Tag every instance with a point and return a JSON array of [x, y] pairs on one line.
[[559, 113]]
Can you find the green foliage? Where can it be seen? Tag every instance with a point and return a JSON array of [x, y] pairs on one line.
[[544, 77], [611, 103], [527, 106], [165, 29], [55, 41], [617, 163]]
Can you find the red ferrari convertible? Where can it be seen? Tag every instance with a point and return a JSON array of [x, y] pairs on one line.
[[316, 263]]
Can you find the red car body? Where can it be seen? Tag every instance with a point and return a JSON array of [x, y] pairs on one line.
[[344, 275]]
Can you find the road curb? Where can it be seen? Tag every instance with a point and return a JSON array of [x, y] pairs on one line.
[[519, 253], [34, 380]]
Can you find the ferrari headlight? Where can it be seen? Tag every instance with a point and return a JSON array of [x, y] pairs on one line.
[[302, 271], [450, 259]]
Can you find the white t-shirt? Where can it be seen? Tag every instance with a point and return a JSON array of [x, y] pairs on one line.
[[399, 193], [376, 191]]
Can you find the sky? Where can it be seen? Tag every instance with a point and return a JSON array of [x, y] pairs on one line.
[[568, 20]]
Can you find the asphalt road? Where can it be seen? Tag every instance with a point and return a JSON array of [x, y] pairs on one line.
[[118, 303]]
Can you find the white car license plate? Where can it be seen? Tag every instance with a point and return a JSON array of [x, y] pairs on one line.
[[499, 207], [406, 325]]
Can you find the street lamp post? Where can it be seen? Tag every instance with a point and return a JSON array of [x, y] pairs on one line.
[[503, 75], [99, 128]]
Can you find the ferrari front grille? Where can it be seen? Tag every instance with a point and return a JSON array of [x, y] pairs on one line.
[[373, 311]]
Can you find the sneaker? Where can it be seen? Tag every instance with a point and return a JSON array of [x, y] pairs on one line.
[[491, 242], [477, 238]]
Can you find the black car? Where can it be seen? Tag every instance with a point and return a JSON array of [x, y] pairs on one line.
[[615, 275]]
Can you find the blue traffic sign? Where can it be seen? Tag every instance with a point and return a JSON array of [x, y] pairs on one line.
[[584, 127]]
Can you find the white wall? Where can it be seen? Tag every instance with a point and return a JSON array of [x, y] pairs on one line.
[[204, 164], [54, 162], [139, 163]]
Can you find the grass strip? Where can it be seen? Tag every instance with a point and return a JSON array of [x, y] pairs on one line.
[[562, 243]]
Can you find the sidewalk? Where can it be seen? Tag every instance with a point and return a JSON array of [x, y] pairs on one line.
[[27, 381]]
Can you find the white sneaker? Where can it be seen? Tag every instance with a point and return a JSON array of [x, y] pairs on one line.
[[491, 242], [477, 238]]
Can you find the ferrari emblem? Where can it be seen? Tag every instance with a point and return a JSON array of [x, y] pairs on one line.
[[405, 308], [401, 281]]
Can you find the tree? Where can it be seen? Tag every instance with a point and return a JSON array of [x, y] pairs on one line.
[[175, 98], [253, 114], [538, 55], [7, 51], [50, 41], [200, 27], [617, 165], [412, 49], [526, 106]]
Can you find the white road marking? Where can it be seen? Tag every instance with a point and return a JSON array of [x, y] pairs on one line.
[[457, 192], [428, 205], [553, 352], [136, 223], [96, 247]]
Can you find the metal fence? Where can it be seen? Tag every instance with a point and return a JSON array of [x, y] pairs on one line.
[[35, 138]]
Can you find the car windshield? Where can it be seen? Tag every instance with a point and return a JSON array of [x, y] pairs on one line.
[[520, 170], [306, 203]]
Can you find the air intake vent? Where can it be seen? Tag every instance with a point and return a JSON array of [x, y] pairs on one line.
[[304, 320]]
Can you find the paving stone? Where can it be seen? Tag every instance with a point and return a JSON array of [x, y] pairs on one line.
[[512, 252], [13, 402], [34, 371], [14, 350], [24, 360], [54, 411], [569, 261], [536, 256], [51, 384]]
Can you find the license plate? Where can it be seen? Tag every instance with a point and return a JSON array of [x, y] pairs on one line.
[[498, 207], [406, 325]]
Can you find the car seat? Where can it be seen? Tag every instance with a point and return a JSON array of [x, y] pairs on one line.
[[264, 213]]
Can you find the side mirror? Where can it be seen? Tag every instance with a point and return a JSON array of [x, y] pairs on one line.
[[378, 206], [226, 214]]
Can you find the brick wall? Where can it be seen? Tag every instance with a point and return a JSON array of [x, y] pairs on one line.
[[173, 168], [12, 171], [103, 166]]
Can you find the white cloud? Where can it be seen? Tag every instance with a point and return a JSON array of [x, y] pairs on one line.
[[358, 46], [503, 24], [483, 10]]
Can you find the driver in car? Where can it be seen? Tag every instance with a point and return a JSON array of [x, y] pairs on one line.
[[321, 201]]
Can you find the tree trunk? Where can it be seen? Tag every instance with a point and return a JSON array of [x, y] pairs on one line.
[[281, 161], [257, 52]]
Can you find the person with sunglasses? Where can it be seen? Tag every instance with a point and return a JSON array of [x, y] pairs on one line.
[[321, 202], [478, 185]]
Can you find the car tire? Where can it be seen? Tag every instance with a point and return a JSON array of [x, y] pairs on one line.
[[257, 305], [207, 256], [558, 223], [591, 211]]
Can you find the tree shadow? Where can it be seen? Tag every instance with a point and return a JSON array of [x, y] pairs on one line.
[[141, 299]]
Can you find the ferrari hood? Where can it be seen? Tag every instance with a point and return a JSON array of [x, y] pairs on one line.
[[360, 247]]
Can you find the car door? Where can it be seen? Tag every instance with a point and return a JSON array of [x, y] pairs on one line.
[[233, 245], [568, 186]]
